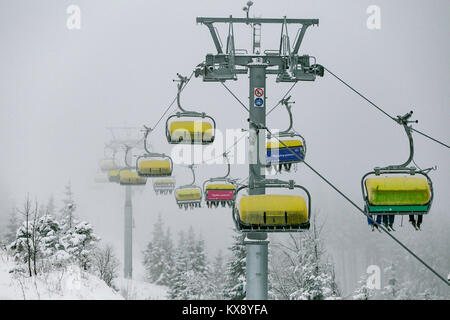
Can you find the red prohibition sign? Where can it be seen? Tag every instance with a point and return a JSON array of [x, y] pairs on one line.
[[259, 92]]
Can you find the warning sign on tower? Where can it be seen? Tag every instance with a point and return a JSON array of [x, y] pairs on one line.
[[258, 97]]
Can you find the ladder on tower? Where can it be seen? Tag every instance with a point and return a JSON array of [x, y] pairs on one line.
[[256, 38]]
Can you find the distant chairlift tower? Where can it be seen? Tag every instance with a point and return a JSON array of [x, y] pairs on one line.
[[128, 206]]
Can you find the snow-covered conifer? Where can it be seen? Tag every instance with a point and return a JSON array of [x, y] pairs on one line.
[[236, 268]]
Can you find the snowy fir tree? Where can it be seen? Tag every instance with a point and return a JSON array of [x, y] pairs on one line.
[[68, 218], [198, 280], [236, 268], [218, 275], [22, 247], [412, 280], [182, 286], [395, 288], [48, 232], [80, 242], [363, 292], [155, 254], [168, 259], [41, 248], [197, 253], [48, 251], [51, 210], [177, 286], [11, 227], [40, 243], [191, 276]]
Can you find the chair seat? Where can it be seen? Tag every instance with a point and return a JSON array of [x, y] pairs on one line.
[[191, 131], [273, 210], [188, 194], [398, 191], [154, 166], [277, 152], [131, 178]]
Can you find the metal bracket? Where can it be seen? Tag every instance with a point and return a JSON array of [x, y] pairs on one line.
[[215, 37], [290, 66], [404, 120]]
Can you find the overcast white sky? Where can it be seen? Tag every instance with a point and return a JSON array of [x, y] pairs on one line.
[[60, 88]]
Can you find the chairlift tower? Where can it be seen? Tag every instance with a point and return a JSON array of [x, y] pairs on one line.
[[288, 66], [116, 143]]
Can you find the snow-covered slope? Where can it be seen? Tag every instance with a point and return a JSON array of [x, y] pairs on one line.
[[140, 290], [65, 284]]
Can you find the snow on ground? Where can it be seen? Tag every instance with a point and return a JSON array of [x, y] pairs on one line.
[[70, 283], [140, 290]]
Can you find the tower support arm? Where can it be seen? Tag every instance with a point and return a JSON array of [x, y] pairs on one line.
[[215, 37], [300, 39]]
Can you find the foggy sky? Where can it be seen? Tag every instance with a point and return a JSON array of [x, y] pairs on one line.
[[60, 88]]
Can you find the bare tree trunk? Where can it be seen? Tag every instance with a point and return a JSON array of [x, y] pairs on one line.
[[70, 218], [27, 228], [35, 240]]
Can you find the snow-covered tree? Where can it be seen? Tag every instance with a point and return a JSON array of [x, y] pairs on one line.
[[198, 256], [51, 206], [48, 228], [154, 254], [177, 286], [106, 264], [68, 218], [22, 246], [168, 259], [218, 276], [158, 256], [363, 292], [395, 288], [191, 276], [26, 248], [80, 242], [428, 294], [198, 280], [41, 244], [236, 268], [12, 226], [300, 269]]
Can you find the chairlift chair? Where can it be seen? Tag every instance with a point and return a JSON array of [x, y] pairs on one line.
[[272, 212], [107, 164], [220, 190], [101, 178], [113, 176], [128, 176], [286, 147], [398, 189], [152, 164], [131, 178], [189, 196], [164, 186], [189, 127]]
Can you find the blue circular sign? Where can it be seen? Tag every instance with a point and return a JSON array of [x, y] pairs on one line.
[[259, 102]]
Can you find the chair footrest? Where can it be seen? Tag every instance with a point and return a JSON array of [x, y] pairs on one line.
[[393, 209]]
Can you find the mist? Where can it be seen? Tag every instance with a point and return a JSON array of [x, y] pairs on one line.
[[60, 89]]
